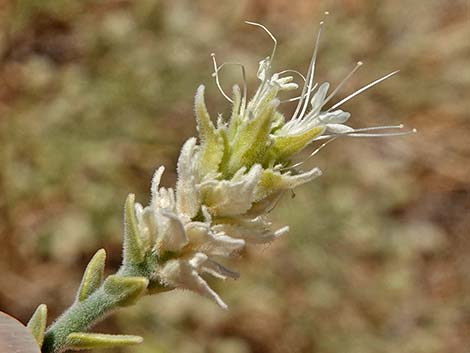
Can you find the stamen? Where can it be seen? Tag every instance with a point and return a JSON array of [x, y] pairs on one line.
[[360, 132], [261, 88], [245, 85], [310, 75], [341, 84], [383, 127], [411, 132], [360, 90], [217, 82], [272, 37]]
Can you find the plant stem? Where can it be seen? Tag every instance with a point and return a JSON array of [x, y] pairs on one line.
[[77, 318], [81, 315]]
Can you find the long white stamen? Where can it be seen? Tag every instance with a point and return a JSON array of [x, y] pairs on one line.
[[383, 127], [217, 82], [341, 84], [414, 131], [310, 76], [272, 37], [267, 75], [245, 86], [306, 86], [360, 90], [359, 133]]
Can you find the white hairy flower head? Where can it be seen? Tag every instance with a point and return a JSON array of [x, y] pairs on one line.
[[234, 173]]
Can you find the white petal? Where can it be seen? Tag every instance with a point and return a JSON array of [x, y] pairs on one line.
[[187, 198], [338, 129], [221, 244], [263, 68], [255, 231], [171, 232], [319, 97], [155, 184], [289, 86], [145, 224], [205, 240], [181, 274], [284, 83], [292, 181], [217, 270], [197, 260], [231, 197], [166, 199], [335, 117], [139, 209]]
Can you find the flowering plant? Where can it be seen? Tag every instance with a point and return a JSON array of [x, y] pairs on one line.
[[228, 180]]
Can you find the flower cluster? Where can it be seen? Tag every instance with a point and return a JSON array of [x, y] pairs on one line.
[[234, 174]]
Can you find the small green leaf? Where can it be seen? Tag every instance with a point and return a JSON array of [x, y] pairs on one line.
[[93, 276], [37, 323], [212, 144], [126, 290], [133, 253], [83, 340]]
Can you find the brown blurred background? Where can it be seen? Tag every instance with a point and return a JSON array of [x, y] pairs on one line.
[[95, 95]]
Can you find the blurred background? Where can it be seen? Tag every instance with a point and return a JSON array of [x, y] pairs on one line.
[[95, 95]]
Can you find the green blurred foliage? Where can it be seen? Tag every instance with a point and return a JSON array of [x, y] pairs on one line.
[[95, 95]]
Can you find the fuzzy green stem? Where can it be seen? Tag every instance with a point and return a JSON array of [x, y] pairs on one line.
[[78, 318], [82, 314]]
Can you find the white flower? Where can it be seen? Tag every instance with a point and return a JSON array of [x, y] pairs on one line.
[[193, 247], [184, 273], [231, 177], [231, 197]]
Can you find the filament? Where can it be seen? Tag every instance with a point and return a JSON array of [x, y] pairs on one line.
[[362, 89], [263, 84], [217, 82], [270, 35], [245, 86], [310, 75], [341, 84], [361, 132]]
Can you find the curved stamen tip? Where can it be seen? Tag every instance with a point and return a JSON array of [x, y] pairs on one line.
[[414, 131], [360, 63], [327, 13]]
